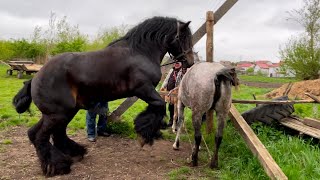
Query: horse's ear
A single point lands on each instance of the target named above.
(184, 26)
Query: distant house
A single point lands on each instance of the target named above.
(244, 66)
(267, 68)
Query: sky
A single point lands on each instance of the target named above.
(251, 29)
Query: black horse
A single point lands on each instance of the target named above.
(129, 66)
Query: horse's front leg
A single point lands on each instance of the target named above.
(149, 122)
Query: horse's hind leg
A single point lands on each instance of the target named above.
(52, 160)
(180, 112)
(32, 132)
(196, 121)
(65, 144)
(221, 117)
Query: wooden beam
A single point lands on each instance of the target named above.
(257, 148)
(217, 16)
(271, 102)
(115, 115)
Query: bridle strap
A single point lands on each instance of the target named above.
(184, 52)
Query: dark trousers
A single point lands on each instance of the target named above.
(171, 111)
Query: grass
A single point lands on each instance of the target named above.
(266, 79)
(296, 156)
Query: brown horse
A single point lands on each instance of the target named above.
(129, 66)
(205, 86)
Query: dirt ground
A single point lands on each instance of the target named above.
(298, 89)
(109, 158)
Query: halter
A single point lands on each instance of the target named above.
(184, 52)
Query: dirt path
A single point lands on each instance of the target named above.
(108, 158)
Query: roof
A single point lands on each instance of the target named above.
(263, 65)
(245, 65)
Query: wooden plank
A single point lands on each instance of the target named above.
(311, 122)
(115, 115)
(257, 148)
(217, 16)
(299, 126)
(271, 102)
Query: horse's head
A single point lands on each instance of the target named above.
(180, 45)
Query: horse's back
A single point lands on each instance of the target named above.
(197, 87)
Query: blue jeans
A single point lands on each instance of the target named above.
(100, 109)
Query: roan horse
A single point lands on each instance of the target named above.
(205, 86)
(129, 66)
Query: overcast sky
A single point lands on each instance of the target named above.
(251, 30)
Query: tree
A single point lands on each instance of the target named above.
(250, 71)
(301, 54)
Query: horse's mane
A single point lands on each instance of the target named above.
(151, 31)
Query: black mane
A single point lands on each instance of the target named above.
(153, 31)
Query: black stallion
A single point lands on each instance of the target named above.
(129, 66)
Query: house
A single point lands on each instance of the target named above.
(267, 68)
(244, 66)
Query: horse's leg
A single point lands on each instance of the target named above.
(32, 132)
(196, 121)
(64, 143)
(52, 160)
(175, 118)
(149, 122)
(179, 124)
(221, 117)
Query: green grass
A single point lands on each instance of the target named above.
(297, 157)
(266, 79)
(6, 141)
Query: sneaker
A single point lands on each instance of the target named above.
(91, 139)
(105, 134)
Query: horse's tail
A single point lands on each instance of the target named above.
(23, 99)
(225, 74)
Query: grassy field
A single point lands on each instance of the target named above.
(266, 79)
(296, 156)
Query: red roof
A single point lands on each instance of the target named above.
(263, 65)
(244, 65)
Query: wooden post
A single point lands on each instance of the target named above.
(209, 58)
(257, 148)
(209, 30)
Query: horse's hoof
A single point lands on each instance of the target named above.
(141, 140)
(175, 146)
(60, 168)
(214, 165)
